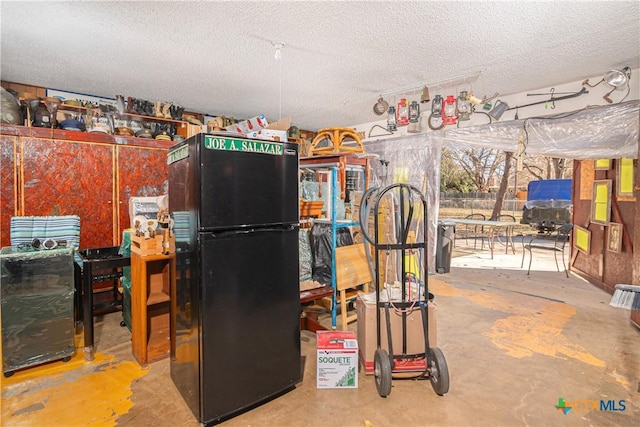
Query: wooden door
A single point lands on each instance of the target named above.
(8, 186)
(62, 177)
(142, 172)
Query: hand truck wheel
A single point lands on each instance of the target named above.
(382, 372)
(438, 371)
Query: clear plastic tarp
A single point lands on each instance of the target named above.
(37, 288)
(306, 257)
(601, 132)
(412, 160)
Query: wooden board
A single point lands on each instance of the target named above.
(352, 268)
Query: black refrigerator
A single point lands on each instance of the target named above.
(235, 304)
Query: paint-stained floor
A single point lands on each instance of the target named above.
(514, 344)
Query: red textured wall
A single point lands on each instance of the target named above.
(69, 172)
(7, 186)
(71, 178)
(142, 172)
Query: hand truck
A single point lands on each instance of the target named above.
(401, 200)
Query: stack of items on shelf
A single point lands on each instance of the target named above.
(153, 236)
(259, 128)
(84, 113)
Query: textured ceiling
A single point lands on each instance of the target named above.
(217, 57)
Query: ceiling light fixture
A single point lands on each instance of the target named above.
(617, 79)
(278, 55)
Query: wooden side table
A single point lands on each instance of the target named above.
(152, 280)
(309, 316)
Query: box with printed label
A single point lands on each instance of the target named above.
(276, 131)
(245, 127)
(337, 362)
(269, 135)
(367, 341)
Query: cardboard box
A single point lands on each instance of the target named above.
(276, 131)
(269, 135)
(248, 126)
(367, 342)
(337, 361)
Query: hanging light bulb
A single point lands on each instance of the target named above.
(278, 55)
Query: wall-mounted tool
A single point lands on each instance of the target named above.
(501, 106)
(380, 107)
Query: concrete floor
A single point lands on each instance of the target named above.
(514, 345)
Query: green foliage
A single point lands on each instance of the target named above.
(453, 178)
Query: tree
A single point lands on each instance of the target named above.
(543, 167)
(504, 183)
(453, 177)
(481, 164)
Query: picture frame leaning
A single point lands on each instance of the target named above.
(601, 202)
(614, 237)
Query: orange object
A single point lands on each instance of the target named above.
(337, 137)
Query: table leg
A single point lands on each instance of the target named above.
(490, 242)
(309, 321)
(510, 241)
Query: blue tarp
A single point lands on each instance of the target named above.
(549, 189)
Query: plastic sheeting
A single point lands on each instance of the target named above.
(125, 251)
(321, 244)
(602, 132)
(306, 258)
(37, 290)
(609, 131)
(311, 190)
(414, 160)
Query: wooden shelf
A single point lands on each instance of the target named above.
(79, 108)
(152, 281)
(157, 298)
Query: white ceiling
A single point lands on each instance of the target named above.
(217, 57)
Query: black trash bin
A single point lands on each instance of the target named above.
(444, 247)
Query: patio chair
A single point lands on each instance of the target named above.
(507, 237)
(554, 241)
(465, 231)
